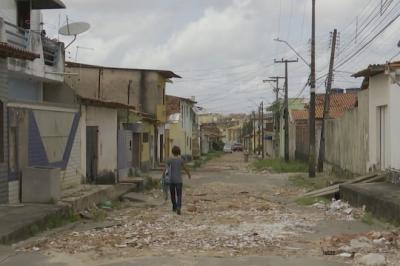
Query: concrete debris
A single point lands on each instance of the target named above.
(366, 247)
(357, 244)
(339, 209)
(372, 259)
(217, 218)
(346, 255)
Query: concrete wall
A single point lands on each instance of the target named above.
(8, 10)
(146, 89)
(59, 93)
(347, 138)
(147, 149)
(106, 121)
(394, 126)
(46, 136)
(3, 135)
(379, 95)
(384, 91)
(25, 90)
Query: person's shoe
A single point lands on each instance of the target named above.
(173, 209)
(178, 211)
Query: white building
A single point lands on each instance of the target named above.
(382, 83)
(41, 133)
(181, 118)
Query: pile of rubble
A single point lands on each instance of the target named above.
(340, 210)
(373, 248)
(218, 218)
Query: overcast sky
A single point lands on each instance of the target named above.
(223, 49)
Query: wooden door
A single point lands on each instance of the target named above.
(92, 136)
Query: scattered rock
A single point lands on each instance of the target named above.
(348, 211)
(192, 209)
(372, 259)
(379, 242)
(346, 255)
(356, 244)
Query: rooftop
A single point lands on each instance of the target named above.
(339, 103)
(165, 73)
(376, 69)
(173, 104)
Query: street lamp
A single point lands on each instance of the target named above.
(294, 50)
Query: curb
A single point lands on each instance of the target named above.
(65, 212)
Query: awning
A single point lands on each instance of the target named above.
(45, 4)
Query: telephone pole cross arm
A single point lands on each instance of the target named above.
(286, 112)
(276, 112)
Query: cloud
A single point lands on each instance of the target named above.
(223, 49)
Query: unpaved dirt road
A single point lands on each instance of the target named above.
(230, 216)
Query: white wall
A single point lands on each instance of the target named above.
(394, 124)
(106, 120)
(8, 10)
(379, 95)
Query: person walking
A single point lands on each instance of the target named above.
(175, 165)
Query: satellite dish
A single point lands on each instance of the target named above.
(73, 29)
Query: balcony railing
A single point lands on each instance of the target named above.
(29, 40)
(50, 51)
(17, 36)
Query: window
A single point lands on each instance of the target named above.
(145, 137)
(24, 14)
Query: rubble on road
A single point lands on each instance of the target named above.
(372, 260)
(367, 248)
(340, 210)
(217, 217)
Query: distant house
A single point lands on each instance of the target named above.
(209, 136)
(181, 122)
(293, 105)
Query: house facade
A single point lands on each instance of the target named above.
(181, 124)
(135, 113)
(381, 83)
(40, 133)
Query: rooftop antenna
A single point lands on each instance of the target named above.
(73, 29)
(81, 47)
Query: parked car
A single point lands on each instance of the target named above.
(237, 147)
(227, 148)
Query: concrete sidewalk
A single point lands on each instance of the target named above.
(381, 199)
(25, 220)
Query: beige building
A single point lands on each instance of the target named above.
(123, 117)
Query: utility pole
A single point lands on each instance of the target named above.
(326, 104)
(262, 128)
(254, 132)
(277, 112)
(259, 130)
(311, 162)
(286, 111)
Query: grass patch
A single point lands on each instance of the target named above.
(204, 159)
(308, 183)
(307, 201)
(367, 218)
(280, 166)
(150, 183)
